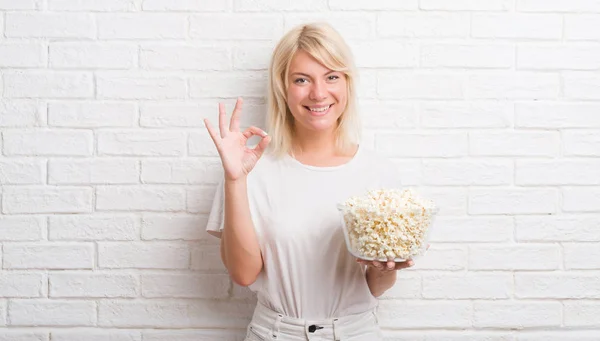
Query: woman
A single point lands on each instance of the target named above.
(276, 214)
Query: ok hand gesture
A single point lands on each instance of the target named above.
(238, 160)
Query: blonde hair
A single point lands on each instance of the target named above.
(328, 47)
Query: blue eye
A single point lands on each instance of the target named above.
(300, 80)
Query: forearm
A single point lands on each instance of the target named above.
(241, 251)
(379, 281)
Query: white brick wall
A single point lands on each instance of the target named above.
(491, 108)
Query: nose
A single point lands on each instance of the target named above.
(318, 92)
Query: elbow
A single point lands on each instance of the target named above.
(243, 280)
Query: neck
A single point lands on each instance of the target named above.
(314, 143)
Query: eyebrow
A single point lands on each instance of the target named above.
(304, 74)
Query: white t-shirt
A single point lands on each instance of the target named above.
(308, 272)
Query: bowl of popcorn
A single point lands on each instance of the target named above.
(387, 224)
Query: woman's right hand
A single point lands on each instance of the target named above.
(238, 160)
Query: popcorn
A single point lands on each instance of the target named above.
(387, 223)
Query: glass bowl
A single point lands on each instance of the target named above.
(354, 250)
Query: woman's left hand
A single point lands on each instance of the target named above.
(387, 266)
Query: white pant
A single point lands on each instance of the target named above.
(267, 324)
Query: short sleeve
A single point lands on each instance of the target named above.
(216, 218)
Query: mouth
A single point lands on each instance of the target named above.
(318, 110)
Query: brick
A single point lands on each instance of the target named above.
(514, 143)
(245, 293)
(185, 5)
(82, 55)
(93, 284)
(492, 56)
(471, 114)
(423, 25)
(385, 54)
(96, 335)
(23, 335)
(93, 171)
(582, 26)
(422, 145)
(19, 5)
(582, 256)
(200, 198)
(471, 229)
(467, 286)
(558, 57)
(572, 172)
(184, 57)
(355, 25)
(211, 286)
(46, 200)
(448, 335)
(517, 315)
(92, 6)
(175, 314)
(513, 86)
(410, 171)
(115, 255)
(467, 173)
(465, 5)
(182, 172)
(450, 200)
(252, 56)
(156, 26)
(173, 227)
(136, 198)
(581, 85)
(519, 257)
(424, 314)
(582, 143)
(558, 6)
(557, 228)
(51, 313)
(133, 85)
(279, 5)
(16, 55)
(19, 284)
(142, 143)
(554, 115)
(367, 88)
(49, 256)
(571, 335)
(408, 285)
(26, 228)
(194, 335)
(93, 227)
(408, 85)
(581, 313)
(207, 257)
(91, 114)
(513, 201)
(229, 84)
(46, 84)
(581, 199)
(22, 171)
(48, 142)
(388, 114)
(557, 285)
(357, 5)
(18, 113)
(442, 258)
(49, 25)
(236, 26)
(517, 26)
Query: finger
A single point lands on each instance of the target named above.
(234, 125)
(378, 265)
(212, 132)
(252, 130)
(404, 265)
(391, 265)
(222, 120)
(262, 145)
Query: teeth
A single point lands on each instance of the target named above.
(320, 109)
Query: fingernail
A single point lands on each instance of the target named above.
(410, 263)
(265, 133)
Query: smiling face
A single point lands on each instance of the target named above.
(316, 95)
